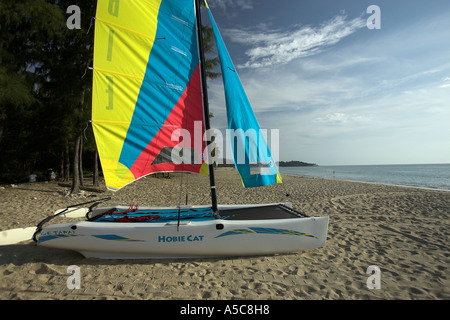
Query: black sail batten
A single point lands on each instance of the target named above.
(205, 101)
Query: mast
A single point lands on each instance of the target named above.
(212, 182)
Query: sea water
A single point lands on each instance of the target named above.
(427, 176)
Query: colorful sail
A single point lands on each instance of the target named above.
(147, 89)
(248, 145)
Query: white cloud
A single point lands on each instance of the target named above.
(341, 118)
(446, 83)
(272, 47)
(236, 4)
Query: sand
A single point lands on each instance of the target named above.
(403, 231)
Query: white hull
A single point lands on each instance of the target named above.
(211, 238)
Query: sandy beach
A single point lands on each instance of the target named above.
(403, 231)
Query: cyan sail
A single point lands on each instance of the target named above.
(249, 147)
(146, 86)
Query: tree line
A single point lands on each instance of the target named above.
(46, 90)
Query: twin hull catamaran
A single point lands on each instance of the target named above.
(149, 82)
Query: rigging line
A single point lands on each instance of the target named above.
(285, 191)
(84, 131)
(91, 51)
(185, 125)
(90, 25)
(85, 71)
(185, 120)
(179, 197)
(187, 189)
(205, 100)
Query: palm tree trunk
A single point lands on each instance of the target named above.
(80, 161)
(76, 176)
(66, 162)
(95, 177)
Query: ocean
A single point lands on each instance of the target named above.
(427, 176)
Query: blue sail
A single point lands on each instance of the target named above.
(248, 145)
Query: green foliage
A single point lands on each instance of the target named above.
(212, 60)
(44, 98)
(296, 163)
(45, 83)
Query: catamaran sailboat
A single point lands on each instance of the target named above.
(148, 84)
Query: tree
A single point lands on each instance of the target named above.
(45, 87)
(69, 86)
(212, 59)
(27, 30)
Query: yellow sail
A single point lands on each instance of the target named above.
(146, 85)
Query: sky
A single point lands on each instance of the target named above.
(339, 92)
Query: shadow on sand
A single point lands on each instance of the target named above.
(29, 252)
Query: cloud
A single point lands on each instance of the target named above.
(340, 118)
(236, 4)
(446, 83)
(272, 47)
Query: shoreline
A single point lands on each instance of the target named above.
(376, 183)
(403, 231)
(422, 176)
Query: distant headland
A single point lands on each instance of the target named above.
(294, 163)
